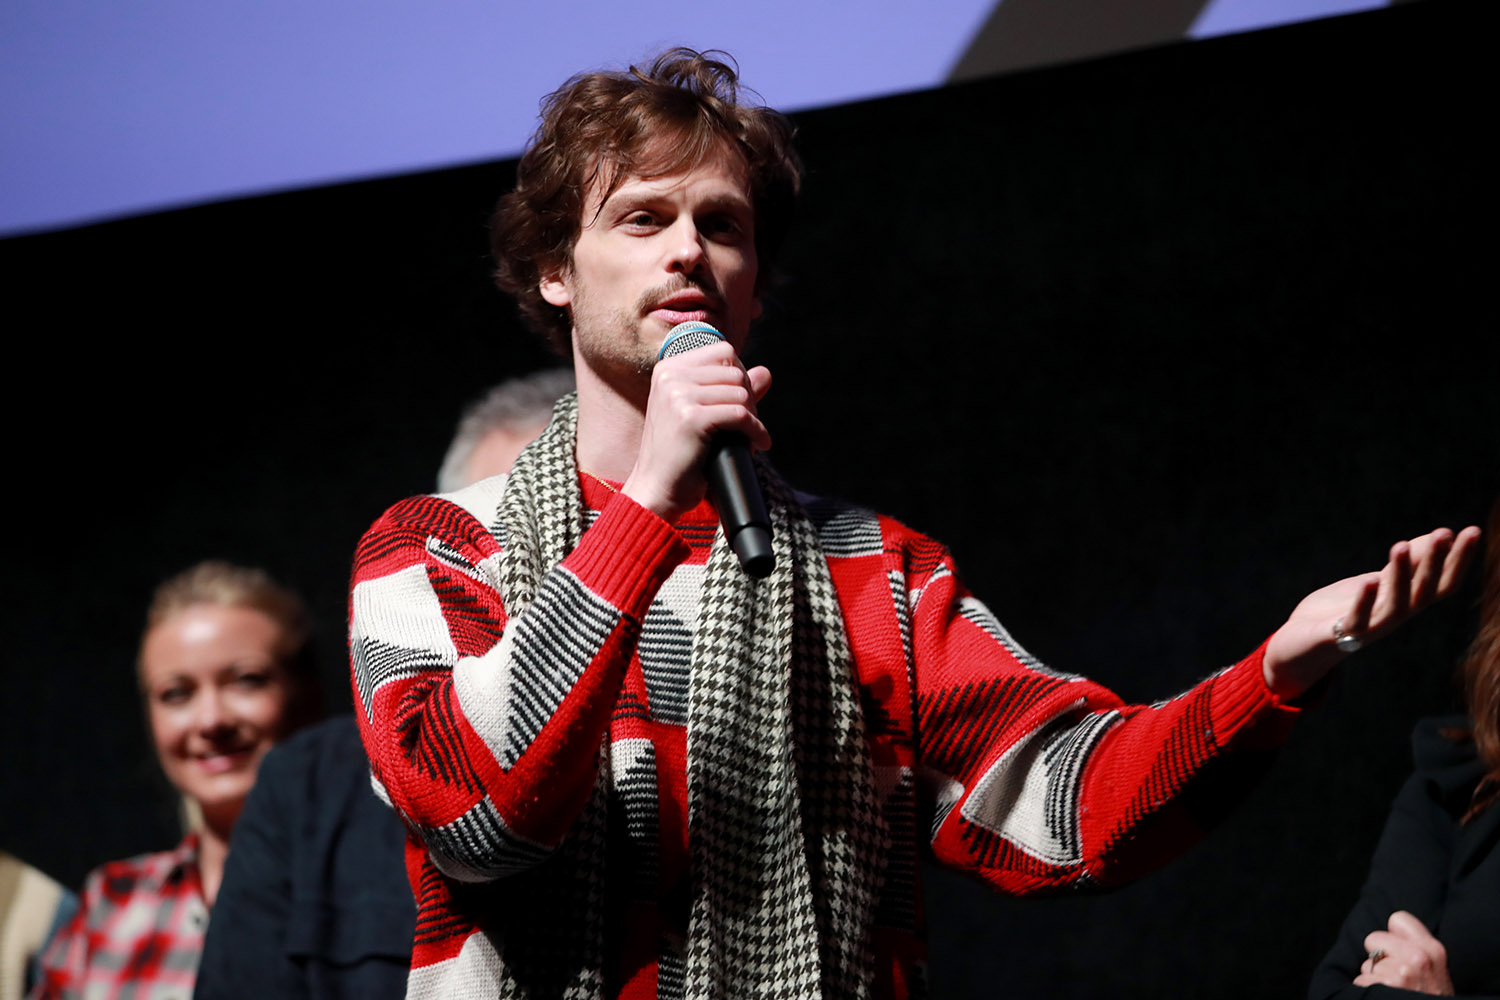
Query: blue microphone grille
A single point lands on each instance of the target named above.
(686, 336)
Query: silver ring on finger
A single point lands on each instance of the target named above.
(1347, 644)
(1375, 956)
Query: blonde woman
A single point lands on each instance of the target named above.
(224, 674)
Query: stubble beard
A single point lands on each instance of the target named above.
(611, 344)
(608, 343)
(611, 341)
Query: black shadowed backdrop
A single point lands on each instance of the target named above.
(1155, 343)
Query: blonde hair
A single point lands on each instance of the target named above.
(217, 582)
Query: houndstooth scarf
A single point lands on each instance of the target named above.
(784, 828)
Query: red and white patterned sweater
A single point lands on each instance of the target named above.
(485, 737)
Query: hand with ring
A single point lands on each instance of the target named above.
(1337, 619)
(1407, 956)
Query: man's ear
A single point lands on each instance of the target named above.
(555, 289)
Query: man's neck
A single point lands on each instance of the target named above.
(609, 421)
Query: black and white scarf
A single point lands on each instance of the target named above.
(784, 826)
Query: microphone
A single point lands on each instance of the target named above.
(731, 476)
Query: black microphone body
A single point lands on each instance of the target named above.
(732, 482)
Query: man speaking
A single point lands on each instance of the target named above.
(628, 768)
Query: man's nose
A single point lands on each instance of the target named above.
(686, 249)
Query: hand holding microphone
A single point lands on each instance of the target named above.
(713, 402)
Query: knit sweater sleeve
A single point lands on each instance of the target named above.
(483, 729)
(1042, 779)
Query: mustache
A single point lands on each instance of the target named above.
(653, 297)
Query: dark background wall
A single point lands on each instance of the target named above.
(1157, 344)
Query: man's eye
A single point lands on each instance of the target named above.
(722, 227)
(253, 680)
(641, 220)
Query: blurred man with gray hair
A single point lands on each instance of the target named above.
(495, 427)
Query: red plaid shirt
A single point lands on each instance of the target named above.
(138, 932)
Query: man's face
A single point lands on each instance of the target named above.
(658, 252)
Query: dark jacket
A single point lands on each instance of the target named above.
(1446, 875)
(315, 900)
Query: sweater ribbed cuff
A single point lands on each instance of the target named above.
(1241, 698)
(627, 554)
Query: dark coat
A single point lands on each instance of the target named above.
(1446, 875)
(315, 900)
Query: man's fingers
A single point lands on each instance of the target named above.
(731, 393)
(1457, 561)
(1395, 588)
(1357, 621)
(701, 374)
(760, 381)
(715, 416)
(731, 406)
(1429, 553)
(1418, 572)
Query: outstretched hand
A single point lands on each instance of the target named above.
(1365, 607)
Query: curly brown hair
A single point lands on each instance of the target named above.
(601, 128)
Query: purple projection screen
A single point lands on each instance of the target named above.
(114, 109)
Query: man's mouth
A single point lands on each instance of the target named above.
(685, 306)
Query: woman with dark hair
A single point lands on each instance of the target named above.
(224, 674)
(1428, 919)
